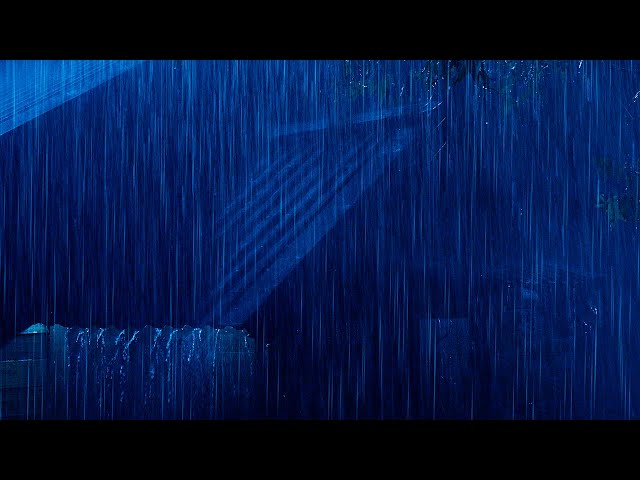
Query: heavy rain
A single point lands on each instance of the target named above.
(362, 239)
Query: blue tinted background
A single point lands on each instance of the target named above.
(478, 278)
